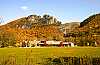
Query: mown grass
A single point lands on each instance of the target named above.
(25, 56)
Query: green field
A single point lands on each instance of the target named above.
(20, 55)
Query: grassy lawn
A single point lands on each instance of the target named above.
(21, 54)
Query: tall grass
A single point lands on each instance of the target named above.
(8, 60)
(85, 60)
(28, 60)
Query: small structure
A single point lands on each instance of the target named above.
(53, 43)
(68, 44)
(43, 43)
(56, 43)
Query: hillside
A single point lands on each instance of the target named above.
(70, 27)
(91, 27)
(30, 28)
(92, 24)
(47, 27)
(92, 21)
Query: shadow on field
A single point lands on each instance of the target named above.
(8, 60)
(85, 60)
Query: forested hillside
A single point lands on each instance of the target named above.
(91, 28)
(46, 27)
(30, 28)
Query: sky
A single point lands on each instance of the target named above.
(64, 10)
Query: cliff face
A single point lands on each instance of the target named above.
(33, 20)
